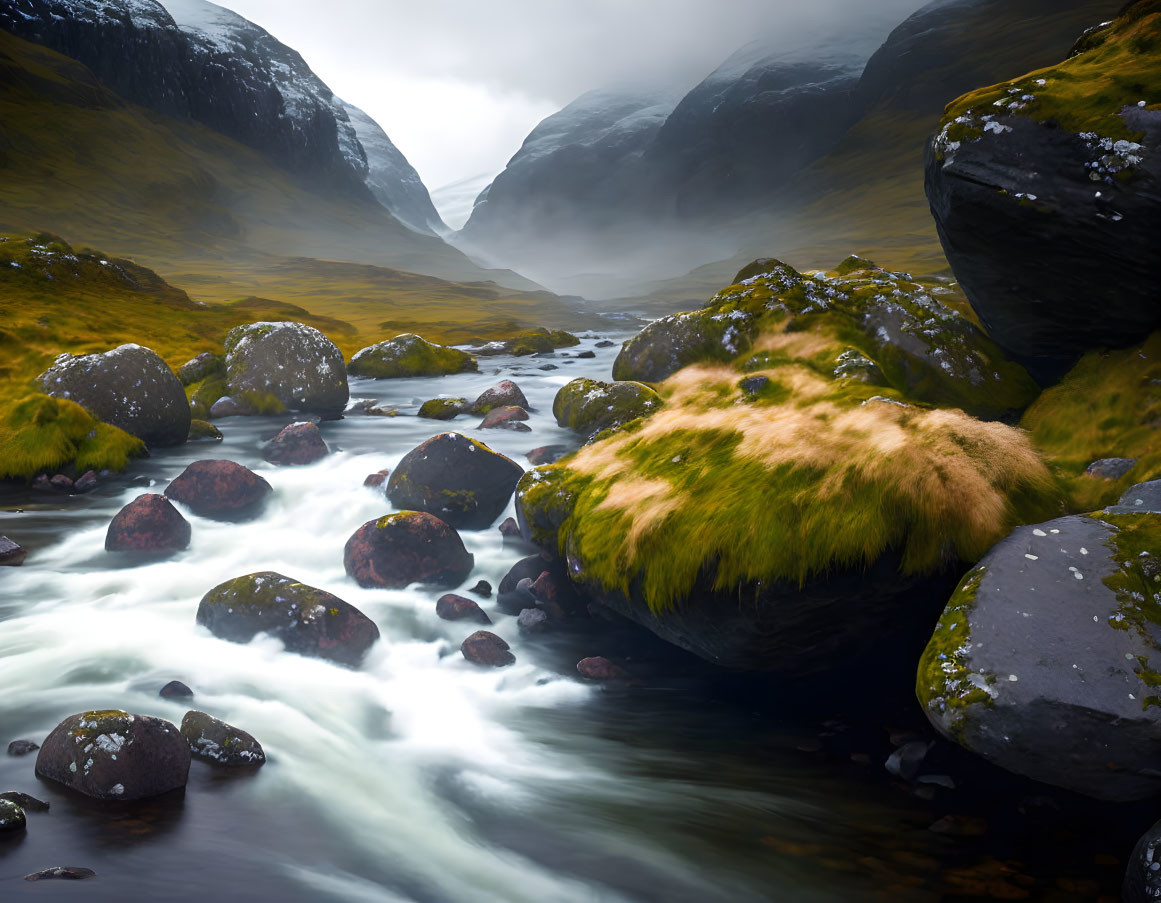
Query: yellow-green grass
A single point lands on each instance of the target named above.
(1120, 67)
(1108, 406)
(40, 434)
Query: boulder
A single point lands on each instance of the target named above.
(24, 801)
(129, 387)
(86, 482)
(528, 568)
(508, 417)
(221, 490)
(61, 483)
(308, 620)
(22, 747)
(175, 689)
(590, 406)
(409, 355)
(11, 818)
(409, 547)
(510, 530)
(504, 394)
(670, 343)
(293, 364)
(298, 443)
(532, 620)
(1110, 468)
(149, 523)
(600, 669)
(204, 431)
(482, 588)
(377, 480)
(530, 341)
(11, 553)
(112, 755)
(1047, 195)
(460, 480)
(546, 454)
(456, 608)
(200, 367)
(487, 649)
(227, 406)
(1047, 659)
(443, 408)
(220, 743)
(1140, 499)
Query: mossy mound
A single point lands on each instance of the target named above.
(867, 324)
(203, 431)
(531, 341)
(590, 406)
(409, 355)
(44, 434)
(443, 408)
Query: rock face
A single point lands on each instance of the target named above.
(296, 365)
(504, 394)
(409, 355)
(410, 547)
(1047, 658)
(129, 387)
(1046, 195)
(309, 621)
(298, 443)
(487, 649)
(112, 755)
(589, 406)
(149, 523)
(220, 743)
(459, 480)
(222, 490)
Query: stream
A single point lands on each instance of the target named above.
(419, 777)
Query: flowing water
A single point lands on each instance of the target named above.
(416, 777)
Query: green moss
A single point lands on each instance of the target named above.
(590, 406)
(443, 408)
(201, 430)
(946, 684)
(204, 393)
(545, 496)
(409, 356)
(538, 341)
(1136, 548)
(263, 403)
(44, 434)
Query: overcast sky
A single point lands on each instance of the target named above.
(458, 84)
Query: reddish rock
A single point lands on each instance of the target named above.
(86, 482)
(11, 553)
(456, 608)
(531, 567)
(598, 668)
(61, 483)
(297, 444)
(487, 649)
(221, 490)
(546, 454)
(504, 394)
(555, 594)
(410, 547)
(376, 480)
(149, 523)
(507, 417)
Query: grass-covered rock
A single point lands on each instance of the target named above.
(285, 366)
(862, 324)
(204, 431)
(199, 368)
(589, 406)
(409, 355)
(530, 341)
(443, 408)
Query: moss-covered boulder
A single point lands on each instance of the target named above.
(410, 547)
(590, 406)
(1046, 191)
(459, 480)
(308, 620)
(1047, 659)
(150, 525)
(285, 366)
(443, 408)
(409, 355)
(12, 820)
(130, 387)
(502, 395)
(296, 444)
(40, 434)
(530, 341)
(221, 490)
(221, 743)
(204, 431)
(112, 755)
(200, 368)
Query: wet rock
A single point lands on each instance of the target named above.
(129, 387)
(226, 406)
(12, 553)
(456, 608)
(600, 669)
(61, 873)
(504, 394)
(204, 431)
(86, 482)
(589, 406)
(605, 343)
(149, 523)
(539, 341)
(409, 355)
(200, 367)
(61, 483)
(517, 599)
(298, 444)
(487, 649)
(175, 689)
(293, 364)
(526, 568)
(308, 620)
(11, 818)
(532, 620)
(410, 547)
(377, 480)
(460, 480)
(112, 755)
(24, 801)
(367, 408)
(555, 594)
(221, 490)
(548, 367)
(22, 747)
(509, 529)
(546, 454)
(1110, 468)
(1140, 499)
(1046, 659)
(906, 761)
(586, 355)
(443, 408)
(220, 743)
(1142, 883)
(482, 588)
(508, 417)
